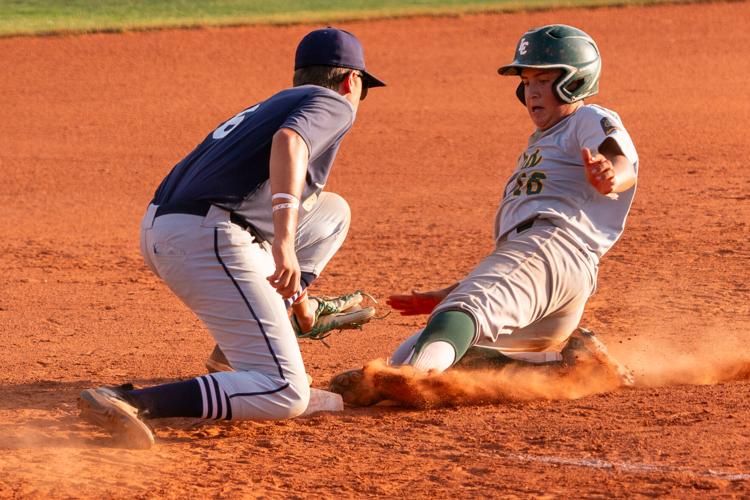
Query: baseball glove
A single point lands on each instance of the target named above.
(337, 313)
(333, 313)
(419, 302)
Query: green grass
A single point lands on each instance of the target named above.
(29, 17)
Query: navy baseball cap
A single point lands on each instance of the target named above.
(333, 47)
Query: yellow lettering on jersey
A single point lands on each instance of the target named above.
(530, 160)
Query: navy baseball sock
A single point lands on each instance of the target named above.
(305, 281)
(179, 399)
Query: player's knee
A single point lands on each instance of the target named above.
(341, 214)
(297, 397)
(288, 399)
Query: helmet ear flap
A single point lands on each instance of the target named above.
(520, 94)
(574, 85)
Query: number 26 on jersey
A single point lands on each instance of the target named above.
(531, 184)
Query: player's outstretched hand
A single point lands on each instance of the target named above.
(418, 302)
(600, 172)
(286, 278)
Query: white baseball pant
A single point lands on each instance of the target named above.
(527, 296)
(219, 271)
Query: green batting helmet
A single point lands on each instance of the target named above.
(564, 47)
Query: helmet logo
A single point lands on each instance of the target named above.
(522, 46)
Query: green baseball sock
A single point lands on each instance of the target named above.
(444, 341)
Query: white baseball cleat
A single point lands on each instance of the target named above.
(351, 319)
(584, 347)
(334, 305)
(108, 408)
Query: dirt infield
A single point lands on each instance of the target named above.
(90, 124)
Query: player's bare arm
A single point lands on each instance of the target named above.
(288, 166)
(609, 171)
(419, 302)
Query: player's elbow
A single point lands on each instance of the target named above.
(625, 175)
(288, 137)
(290, 143)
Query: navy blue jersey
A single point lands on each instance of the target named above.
(233, 160)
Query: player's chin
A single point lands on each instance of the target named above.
(538, 116)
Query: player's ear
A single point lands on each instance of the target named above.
(347, 84)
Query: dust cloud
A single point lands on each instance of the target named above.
(462, 386)
(521, 382)
(661, 362)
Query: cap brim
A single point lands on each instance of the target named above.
(509, 70)
(515, 69)
(371, 81)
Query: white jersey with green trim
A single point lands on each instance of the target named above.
(550, 183)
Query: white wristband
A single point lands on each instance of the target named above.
(284, 196)
(284, 206)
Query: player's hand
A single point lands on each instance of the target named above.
(600, 172)
(418, 302)
(286, 279)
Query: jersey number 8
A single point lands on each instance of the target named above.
(225, 128)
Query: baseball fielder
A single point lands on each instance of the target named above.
(562, 209)
(238, 230)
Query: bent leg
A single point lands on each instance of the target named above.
(529, 294)
(321, 232)
(548, 333)
(217, 270)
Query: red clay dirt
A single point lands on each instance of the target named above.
(90, 124)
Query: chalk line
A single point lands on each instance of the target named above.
(596, 463)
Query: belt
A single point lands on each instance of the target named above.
(524, 225)
(200, 208)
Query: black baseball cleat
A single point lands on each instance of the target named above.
(584, 347)
(217, 361)
(109, 408)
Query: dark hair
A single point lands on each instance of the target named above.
(323, 76)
